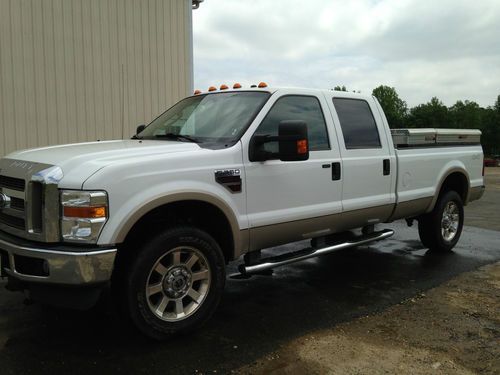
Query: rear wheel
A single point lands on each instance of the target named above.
(440, 230)
(175, 282)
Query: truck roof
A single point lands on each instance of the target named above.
(298, 90)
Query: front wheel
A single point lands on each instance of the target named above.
(175, 282)
(440, 230)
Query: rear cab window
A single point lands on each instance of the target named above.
(358, 125)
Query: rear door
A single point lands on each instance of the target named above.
(289, 201)
(368, 166)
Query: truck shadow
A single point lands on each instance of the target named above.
(254, 318)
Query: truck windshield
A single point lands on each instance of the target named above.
(219, 118)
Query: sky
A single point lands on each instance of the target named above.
(424, 48)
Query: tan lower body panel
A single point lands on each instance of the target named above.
(277, 234)
(241, 245)
(476, 193)
(411, 208)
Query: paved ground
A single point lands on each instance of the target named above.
(484, 213)
(262, 322)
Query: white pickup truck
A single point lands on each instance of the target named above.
(221, 175)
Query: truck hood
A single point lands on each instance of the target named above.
(80, 160)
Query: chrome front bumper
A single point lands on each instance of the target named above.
(78, 267)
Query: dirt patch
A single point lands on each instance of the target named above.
(452, 329)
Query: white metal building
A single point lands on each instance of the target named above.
(82, 70)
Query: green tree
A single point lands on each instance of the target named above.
(496, 107)
(466, 115)
(395, 109)
(433, 114)
(490, 127)
(490, 139)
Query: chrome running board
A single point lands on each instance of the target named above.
(297, 256)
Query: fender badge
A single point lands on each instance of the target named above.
(230, 178)
(227, 172)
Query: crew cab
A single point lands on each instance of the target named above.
(216, 178)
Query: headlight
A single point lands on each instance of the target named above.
(84, 213)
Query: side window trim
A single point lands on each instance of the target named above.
(303, 96)
(342, 130)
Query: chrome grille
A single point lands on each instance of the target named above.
(13, 221)
(17, 204)
(31, 193)
(13, 215)
(12, 183)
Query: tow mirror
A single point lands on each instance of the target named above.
(140, 128)
(292, 139)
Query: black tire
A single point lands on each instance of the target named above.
(430, 226)
(144, 267)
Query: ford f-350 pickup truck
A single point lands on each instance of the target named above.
(220, 176)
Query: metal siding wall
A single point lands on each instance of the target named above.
(81, 70)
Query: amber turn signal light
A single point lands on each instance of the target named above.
(302, 146)
(85, 212)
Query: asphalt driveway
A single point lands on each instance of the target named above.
(257, 316)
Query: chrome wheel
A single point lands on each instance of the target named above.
(178, 283)
(450, 221)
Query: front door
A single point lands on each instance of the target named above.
(289, 201)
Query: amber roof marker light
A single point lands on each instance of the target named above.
(262, 85)
(223, 87)
(197, 92)
(236, 86)
(212, 88)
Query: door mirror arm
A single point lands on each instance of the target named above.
(257, 152)
(140, 128)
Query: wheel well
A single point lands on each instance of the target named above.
(199, 214)
(456, 182)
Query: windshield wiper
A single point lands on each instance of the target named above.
(178, 136)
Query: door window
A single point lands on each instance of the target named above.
(295, 107)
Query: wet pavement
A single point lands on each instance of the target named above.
(256, 316)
